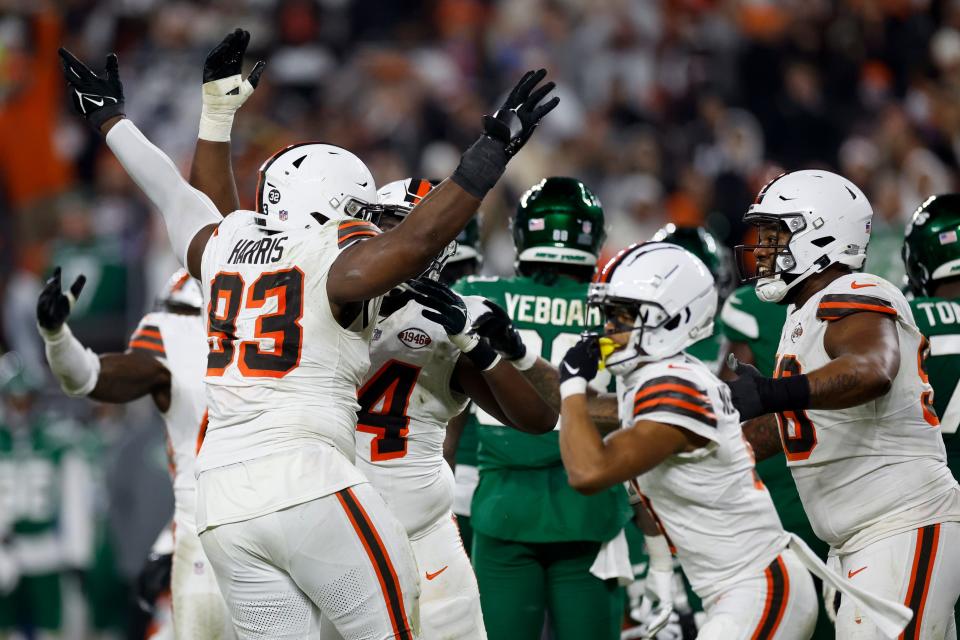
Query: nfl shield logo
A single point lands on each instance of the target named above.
(587, 226)
(284, 215)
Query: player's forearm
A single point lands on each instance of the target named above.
(212, 174)
(185, 210)
(581, 447)
(123, 379)
(519, 400)
(602, 408)
(763, 435)
(848, 381)
(74, 366)
(451, 440)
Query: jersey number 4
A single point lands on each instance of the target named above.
(281, 326)
(383, 409)
(797, 432)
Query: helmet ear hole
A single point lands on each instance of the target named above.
(673, 322)
(822, 242)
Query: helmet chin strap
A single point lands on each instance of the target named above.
(775, 289)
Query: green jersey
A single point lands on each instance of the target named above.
(939, 320)
(748, 320)
(523, 493)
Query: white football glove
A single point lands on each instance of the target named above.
(655, 608)
(224, 89)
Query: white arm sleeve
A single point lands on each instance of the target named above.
(75, 366)
(185, 210)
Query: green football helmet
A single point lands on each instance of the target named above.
(931, 245)
(704, 245)
(468, 243)
(559, 220)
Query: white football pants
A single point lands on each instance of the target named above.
(778, 603)
(199, 610)
(920, 568)
(343, 556)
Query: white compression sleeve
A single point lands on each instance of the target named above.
(76, 367)
(185, 210)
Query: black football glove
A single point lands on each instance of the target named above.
(753, 394)
(226, 59)
(582, 360)
(504, 133)
(154, 580)
(53, 306)
(94, 97)
(450, 311)
(514, 122)
(495, 325)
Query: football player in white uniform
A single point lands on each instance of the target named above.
(851, 405)
(293, 290)
(681, 446)
(165, 359)
(422, 374)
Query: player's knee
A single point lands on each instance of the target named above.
(454, 616)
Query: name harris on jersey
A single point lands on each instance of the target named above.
(267, 249)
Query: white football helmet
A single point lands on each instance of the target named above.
(302, 182)
(672, 294)
(398, 198)
(828, 218)
(182, 290)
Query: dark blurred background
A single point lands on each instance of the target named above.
(672, 111)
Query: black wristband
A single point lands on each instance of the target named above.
(481, 166)
(482, 355)
(98, 117)
(791, 393)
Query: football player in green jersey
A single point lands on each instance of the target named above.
(704, 245)
(931, 253)
(46, 505)
(535, 538)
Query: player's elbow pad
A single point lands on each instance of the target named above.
(76, 367)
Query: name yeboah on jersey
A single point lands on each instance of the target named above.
(878, 468)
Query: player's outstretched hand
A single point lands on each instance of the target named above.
(514, 122)
(95, 97)
(495, 325)
(582, 360)
(224, 89)
(53, 305)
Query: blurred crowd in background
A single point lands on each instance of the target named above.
(671, 111)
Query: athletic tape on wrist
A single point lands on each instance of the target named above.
(480, 167)
(573, 387)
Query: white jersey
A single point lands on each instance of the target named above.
(710, 503)
(879, 468)
(179, 342)
(282, 374)
(405, 404)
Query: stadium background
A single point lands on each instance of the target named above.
(671, 111)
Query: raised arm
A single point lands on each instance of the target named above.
(115, 377)
(224, 92)
(189, 215)
(358, 274)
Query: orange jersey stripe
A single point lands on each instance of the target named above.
(675, 402)
(368, 234)
(857, 305)
(646, 391)
(152, 333)
(355, 223)
(140, 344)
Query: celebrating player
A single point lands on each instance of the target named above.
(166, 360)
(851, 403)
(293, 291)
(682, 446)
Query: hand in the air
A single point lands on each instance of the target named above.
(96, 98)
(495, 325)
(446, 309)
(582, 360)
(53, 305)
(745, 389)
(514, 122)
(224, 89)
